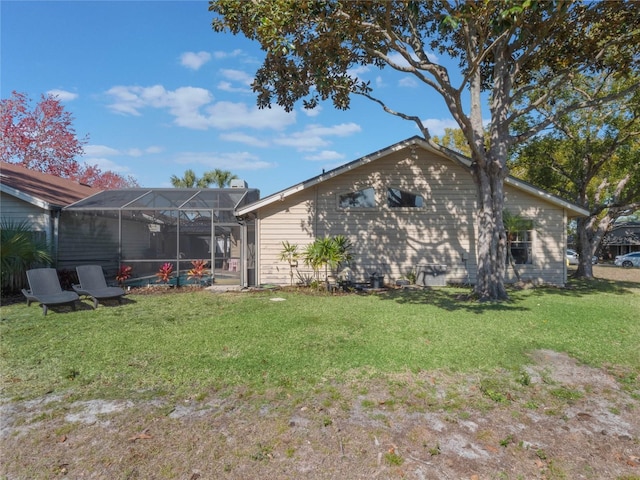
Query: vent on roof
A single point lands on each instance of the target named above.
(237, 183)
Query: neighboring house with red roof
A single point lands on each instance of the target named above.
(28, 195)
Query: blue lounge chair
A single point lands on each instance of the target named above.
(44, 287)
(94, 285)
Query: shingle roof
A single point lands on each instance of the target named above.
(37, 187)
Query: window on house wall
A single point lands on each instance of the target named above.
(364, 198)
(522, 244)
(397, 198)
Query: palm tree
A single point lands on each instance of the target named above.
(221, 178)
(21, 250)
(189, 180)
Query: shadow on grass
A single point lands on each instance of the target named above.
(580, 287)
(103, 302)
(451, 299)
(456, 299)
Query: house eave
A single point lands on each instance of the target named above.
(323, 177)
(571, 209)
(29, 198)
(415, 141)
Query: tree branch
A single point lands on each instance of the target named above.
(423, 129)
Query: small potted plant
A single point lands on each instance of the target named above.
(165, 273)
(124, 274)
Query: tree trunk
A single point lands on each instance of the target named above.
(589, 234)
(585, 248)
(492, 238)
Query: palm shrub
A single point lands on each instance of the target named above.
(21, 250)
(343, 246)
(328, 252)
(290, 254)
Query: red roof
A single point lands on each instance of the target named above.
(56, 191)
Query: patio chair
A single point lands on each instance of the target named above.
(94, 285)
(44, 287)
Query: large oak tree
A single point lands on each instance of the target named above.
(503, 48)
(589, 156)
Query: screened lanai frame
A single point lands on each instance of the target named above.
(146, 228)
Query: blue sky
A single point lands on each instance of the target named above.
(157, 92)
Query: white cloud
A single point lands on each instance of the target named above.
(398, 59)
(302, 143)
(194, 60)
(358, 70)
(107, 165)
(312, 112)
(236, 81)
(340, 130)
(192, 108)
(63, 95)
(408, 82)
(227, 161)
(313, 136)
(219, 55)
(227, 115)
(228, 87)
(436, 126)
(183, 101)
(104, 151)
(325, 155)
(139, 152)
(237, 76)
(243, 138)
(100, 151)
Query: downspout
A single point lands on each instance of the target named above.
(119, 238)
(564, 247)
(243, 253)
(315, 212)
(55, 231)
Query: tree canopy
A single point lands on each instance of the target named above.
(503, 49)
(42, 138)
(590, 156)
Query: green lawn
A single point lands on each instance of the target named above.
(181, 343)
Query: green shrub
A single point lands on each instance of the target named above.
(21, 250)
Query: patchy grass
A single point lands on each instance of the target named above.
(407, 384)
(182, 343)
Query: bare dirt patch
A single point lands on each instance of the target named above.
(555, 419)
(611, 272)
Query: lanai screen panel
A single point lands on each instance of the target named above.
(148, 227)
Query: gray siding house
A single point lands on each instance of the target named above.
(410, 207)
(27, 195)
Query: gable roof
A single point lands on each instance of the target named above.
(416, 141)
(43, 190)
